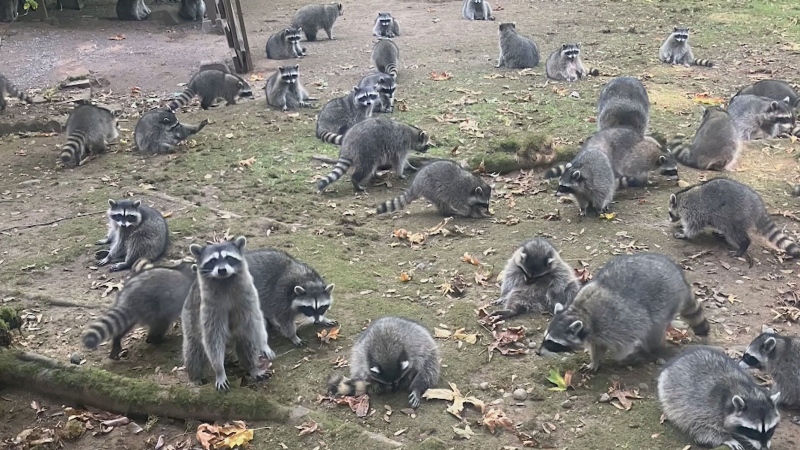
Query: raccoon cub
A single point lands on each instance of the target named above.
(590, 180)
(9, 11)
(454, 191)
(476, 10)
(385, 55)
(565, 64)
(535, 279)
(759, 117)
(210, 85)
(340, 114)
(516, 51)
(192, 10)
(152, 296)
(779, 357)
(624, 102)
(313, 17)
(158, 131)
(89, 130)
(715, 146)
(285, 91)
(775, 90)
(7, 88)
(391, 354)
(132, 10)
(289, 289)
(625, 310)
(705, 394)
(385, 85)
(135, 231)
(221, 306)
(730, 208)
(386, 26)
(372, 143)
(676, 50)
(285, 44)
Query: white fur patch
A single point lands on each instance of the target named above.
(375, 370)
(404, 365)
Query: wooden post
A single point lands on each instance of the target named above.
(233, 24)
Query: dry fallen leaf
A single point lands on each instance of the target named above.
(468, 338)
(326, 336)
(621, 397)
(705, 99)
(608, 216)
(405, 277)
(435, 76)
(464, 433)
(247, 162)
(118, 37)
(441, 334)
(455, 396)
(506, 337)
(496, 418)
(467, 258)
(307, 428)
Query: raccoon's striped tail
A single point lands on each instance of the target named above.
(75, 150)
(114, 323)
(339, 384)
(555, 172)
(15, 92)
(703, 62)
(182, 100)
(593, 71)
(692, 313)
(796, 190)
(391, 69)
(681, 150)
(775, 236)
(338, 170)
(331, 138)
(628, 182)
(796, 129)
(399, 202)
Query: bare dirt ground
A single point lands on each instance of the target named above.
(338, 233)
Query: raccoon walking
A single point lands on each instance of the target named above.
(385, 85)
(476, 10)
(210, 85)
(730, 208)
(289, 289)
(89, 130)
(760, 118)
(159, 132)
(779, 357)
(391, 354)
(535, 279)
(716, 145)
(565, 64)
(340, 114)
(589, 179)
(775, 90)
(676, 50)
(312, 18)
(151, 296)
(516, 51)
(454, 191)
(285, 91)
(705, 394)
(625, 310)
(385, 56)
(222, 306)
(192, 10)
(285, 44)
(386, 26)
(624, 102)
(135, 231)
(7, 88)
(373, 143)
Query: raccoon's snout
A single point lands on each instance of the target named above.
(748, 361)
(673, 217)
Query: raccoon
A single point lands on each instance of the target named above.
(760, 118)
(89, 130)
(340, 114)
(372, 143)
(223, 305)
(535, 279)
(624, 102)
(285, 91)
(192, 10)
(779, 357)
(289, 289)
(454, 191)
(135, 231)
(676, 50)
(716, 145)
(132, 10)
(313, 17)
(215, 65)
(625, 309)
(7, 88)
(633, 156)
(158, 131)
(386, 26)
(565, 64)
(210, 85)
(589, 178)
(385, 55)
(285, 44)
(476, 10)
(151, 296)
(705, 394)
(773, 89)
(730, 208)
(516, 51)
(385, 85)
(9, 12)
(391, 354)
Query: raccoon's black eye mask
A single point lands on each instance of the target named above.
(555, 347)
(751, 361)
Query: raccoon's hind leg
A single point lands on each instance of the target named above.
(741, 242)
(157, 333)
(206, 102)
(116, 344)
(329, 32)
(360, 177)
(194, 356)
(311, 33)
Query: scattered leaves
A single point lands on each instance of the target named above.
(455, 396)
(463, 433)
(247, 162)
(704, 98)
(506, 338)
(496, 418)
(326, 336)
(358, 404)
(307, 428)
(212, 437)
(443, 76)
(405, 277)
(562, 383)
(467, 258)
(413, 238)
(118, 37)
(621, 398)
(455, 287)
(608, 216)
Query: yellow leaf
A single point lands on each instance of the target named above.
(405, 277)
(440, 333)
(206, 433)
(237, 439)
(247, 162)
(467, 258)
(608, 216)
(326, 336)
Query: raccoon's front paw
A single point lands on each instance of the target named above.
(118, 267)
(679, 235)
(286, 108)
(103, 241)
(261, 375)
(268, 353)
(413, 399)
(591, 367)
(298, 342)
(733, 444)
(104, 261)
(222, 384)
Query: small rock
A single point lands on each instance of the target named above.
(75, 358)
(660, 361)
(679, 324)
(605, 398)
(28, 182)
(484, 385)
(634, 425)
(566, 404)
(574, 94)
(519, 394)
(532, 344)
(644, 386)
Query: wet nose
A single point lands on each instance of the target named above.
(222, 271)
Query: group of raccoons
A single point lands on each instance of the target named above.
(225, 293)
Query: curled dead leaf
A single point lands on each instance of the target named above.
(326, 336)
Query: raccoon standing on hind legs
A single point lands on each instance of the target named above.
(89, 131)
(676, 50)
(285, 44)
(6, 87)
(476, 10)
(565, 64)
(135, 231)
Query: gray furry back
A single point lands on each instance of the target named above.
(312, 18)
(760, 117)
(341, 114)
(192, 10)
(624, 102)
(516, 51)
(159, 131)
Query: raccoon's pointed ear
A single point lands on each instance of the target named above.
(776, 397)
(558, 308)
(375, 370)
(576, 327)
(287, 30)
(578, 45)
(738, 403)
(329, 288)
(297, 67)
(478, 191)
(522, 256)
(298, 290)
(673, 200)
(769, 345)
(194, 268)
(137, 203)
(550, 261)
(768, 330)
(195, 250)
(404, 365)
(112, 203)
(674, 29)
(241, 84)
(240, 242)
(787, 100)
(773, 106)
(281, 68)
(576, 175)
(662, 159)
(563, 46)
(355, 89)
(299, 30)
